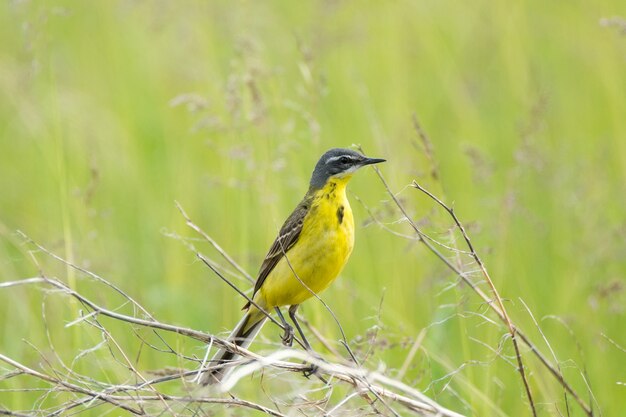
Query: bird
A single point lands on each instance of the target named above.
(311, 249)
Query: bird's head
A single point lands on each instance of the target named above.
(339, 163)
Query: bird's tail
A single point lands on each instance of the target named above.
(243, 334)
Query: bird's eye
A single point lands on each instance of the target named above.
(344, 160)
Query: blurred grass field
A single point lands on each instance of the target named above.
(111, 111)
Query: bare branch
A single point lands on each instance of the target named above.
(494, 290)
(496, 307)
(213, 243)
(360, 379)
(84, 271)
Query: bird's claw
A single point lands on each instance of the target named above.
(288, 336)
(310, 370)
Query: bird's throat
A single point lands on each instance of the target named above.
(335, 188)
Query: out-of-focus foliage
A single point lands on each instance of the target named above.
(110, 111)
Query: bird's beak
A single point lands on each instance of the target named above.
(370, 161)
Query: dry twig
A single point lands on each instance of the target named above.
(88, 391)
(498, 306)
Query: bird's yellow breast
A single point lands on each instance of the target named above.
(319, 255)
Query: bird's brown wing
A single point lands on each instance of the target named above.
(287, 237)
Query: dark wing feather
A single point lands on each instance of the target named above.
(287, 237)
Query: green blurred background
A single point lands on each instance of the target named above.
(111, 111)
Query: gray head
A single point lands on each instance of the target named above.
(338, 163)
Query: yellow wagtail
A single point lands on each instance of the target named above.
(310, 251)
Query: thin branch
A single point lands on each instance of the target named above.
(409, 237)
(551, 368)
(85, 271)
(213, 243)
(613, 342)
(493, 288)
(234, 287)
(71, 387)
(545, 339)
(120, 400)
(25, 281)
(359, 378)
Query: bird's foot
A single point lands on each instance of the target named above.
(288, 336)
(310, 370)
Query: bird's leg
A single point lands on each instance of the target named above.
(292, 313)
(288, 335)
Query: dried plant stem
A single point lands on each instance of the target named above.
(363, 380)
(121, 400)
(502, 313)
(213, 243)
(66, 385)
(97, 277)
(547, 342)
(496, 307)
